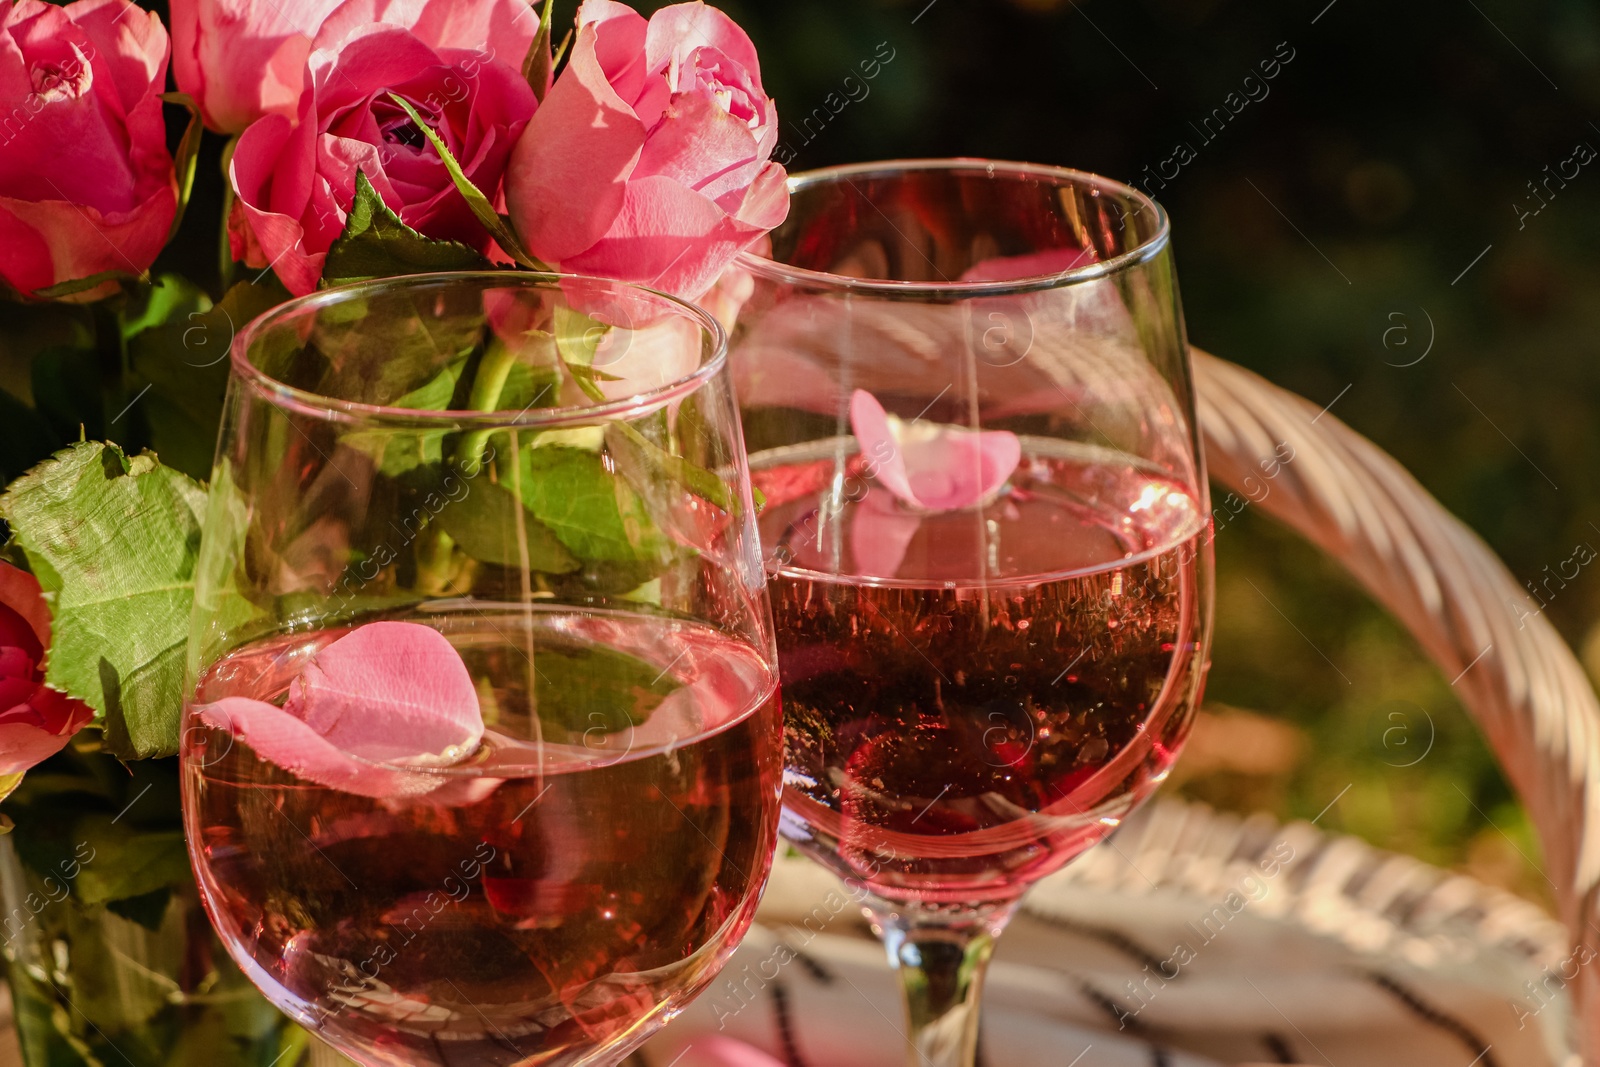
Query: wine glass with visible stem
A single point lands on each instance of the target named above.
(967, 399)
(482, 763)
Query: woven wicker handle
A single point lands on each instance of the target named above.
(1512, 670)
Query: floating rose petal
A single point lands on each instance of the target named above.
(392, 693)
(928, 465)
(1032, 265)
(463, 791)
(880, 533)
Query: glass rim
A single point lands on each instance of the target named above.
(334, 409)
(771, 269)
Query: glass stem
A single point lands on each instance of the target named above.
(941, 953)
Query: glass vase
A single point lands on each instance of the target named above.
(109, 955)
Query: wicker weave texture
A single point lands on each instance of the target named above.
(1513, 672)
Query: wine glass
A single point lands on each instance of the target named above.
(482, 764)
(966, 395)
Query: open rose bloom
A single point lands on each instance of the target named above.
(242, 59)
(86, 181)
(650, 160)
(458, 62)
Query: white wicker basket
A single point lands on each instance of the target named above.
(1515, 675)
(1344, 955)
(1340, 954)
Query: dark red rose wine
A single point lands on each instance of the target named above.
(568, 887)
(972, 698)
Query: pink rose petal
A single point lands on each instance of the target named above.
(880, 534)
(36, 725)
(489, 27)
(1031, 265)
(86, 181)
(542, 186)
(957, 468)
(36, 721)
(386, 693)
(650, 159)
(241, 59)
(391, 692)
(932, 466)
(458, 59)
(870, 423)
(676, 31)
(271, 232)
(16, 662)
(23, 745)
(701, 146)
(459, 791)
(280, 738)
(20, 592)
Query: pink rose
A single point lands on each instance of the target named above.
(458, 62)
(649, 161)
(86, 182)
(36, 721)
(241, 59)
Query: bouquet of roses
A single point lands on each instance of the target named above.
(356, 140)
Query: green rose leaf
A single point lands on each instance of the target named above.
(619, 579)
(185, 157)
(435, 394)
(113, 542)
(636, 452)
(94, 281)
(596, 691)
(172, 296)
(376, 244)
(397, 453)
(578, 514)
(539, 66)
(590, 509)
(577, 336)
(484, 524)
(127, 864)
(528, 386)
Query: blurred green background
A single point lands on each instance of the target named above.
(1353, 198)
